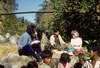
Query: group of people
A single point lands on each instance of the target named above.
(75, 48)
(29, 44)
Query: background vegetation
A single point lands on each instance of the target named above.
(81, 15)
(10, 23)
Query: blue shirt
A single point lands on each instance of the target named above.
(24, 39)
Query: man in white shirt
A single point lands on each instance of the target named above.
(57, 41)
(93, 52)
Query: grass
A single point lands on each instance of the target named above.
(5, 49)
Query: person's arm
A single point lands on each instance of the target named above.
(72, 43)
(23, 40)
(35, 42)
(80, 40)
(52, 40)
(61, 40)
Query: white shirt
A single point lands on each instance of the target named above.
(52, 40)
(77, 42)
(89, 65)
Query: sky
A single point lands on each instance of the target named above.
(28, 5)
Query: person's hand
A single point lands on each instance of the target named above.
(35, 42)
(78, 49)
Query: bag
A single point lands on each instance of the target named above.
(70, 48)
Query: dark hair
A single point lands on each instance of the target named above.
(64, 58)
(30, 27)
(39, 33)
(46, 54)
(32, 64)
(78, 65)
(55, 30)
(2, 66)
(93, 46)
(24, 67)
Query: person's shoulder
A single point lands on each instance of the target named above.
(59, 35)
(52, 35)
(25, 34)
(79, 38)
(72, 39)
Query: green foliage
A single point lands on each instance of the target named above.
(78, 15)
(8, 5)
(14, 25)
(11, 24)
(41, 27)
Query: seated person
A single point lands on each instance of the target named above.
(64, 61)
(29, 43)
(46, 56)
(56, 41)
(76, 43)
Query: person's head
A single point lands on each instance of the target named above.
(2, 66)
(93, 50)
(74, 34)
(78, 65)
(32, 64)
(31, 29)
(24, 67)
(46, 56)
(65, 58)
(56, 32)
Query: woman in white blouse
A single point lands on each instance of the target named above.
(76, 43)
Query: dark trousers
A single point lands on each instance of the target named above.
(31, 50)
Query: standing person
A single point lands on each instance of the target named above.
(56, 41)
(64, 61)
(29, 44)
(93, 52)
(46, 56)
(76, 43)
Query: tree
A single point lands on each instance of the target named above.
(80, 15)
(12, 24)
